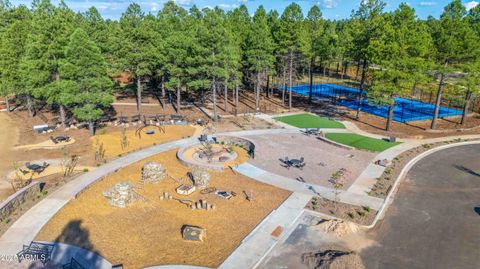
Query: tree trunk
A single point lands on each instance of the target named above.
(345, 69)
(310, 74)
(290, 81)
(390, 114)
(284, 84)
(358, 71)
(267, 91)
(139, 95)
(214, 95)
(7, 104)
(91, 128)
(362, 82)
(338, 68)
(468, 99)
(235, 98)
(179, 95)
(163, 86)
(257, 93)
(63, 116)
(438, 101)
(30, 105)
(226, 96)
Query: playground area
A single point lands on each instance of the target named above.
(148, 231)
(405, 110)
(119, 142)
(321, 159)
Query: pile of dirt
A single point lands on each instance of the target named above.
(337, 227)
(332, 259)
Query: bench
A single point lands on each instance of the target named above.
(36, 251)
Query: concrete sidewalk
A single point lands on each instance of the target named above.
(293, 185)
(260, 241)
(365, 182)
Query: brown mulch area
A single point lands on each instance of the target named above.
(385, 182)
(357, 214)
(147, 232)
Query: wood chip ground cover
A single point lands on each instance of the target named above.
(148, 233)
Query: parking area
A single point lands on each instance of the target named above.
(434, 221)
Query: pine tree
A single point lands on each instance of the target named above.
(292, 40)
(13, 41)
(259, 49)
(84, 79)
(315, 25)
(401, 53)
(137, 52)
(366, 26)
(50, 30)
(455, 44)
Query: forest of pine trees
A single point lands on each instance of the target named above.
(52, 55)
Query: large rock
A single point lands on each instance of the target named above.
(201, 177)
(153, 172)
(121, 194)
(193, 233)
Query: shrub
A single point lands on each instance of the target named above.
(85, 170)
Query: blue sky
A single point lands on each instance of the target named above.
(332, 9)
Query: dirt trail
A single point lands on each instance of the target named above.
(9, 135)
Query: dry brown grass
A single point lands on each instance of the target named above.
(148, 233)
(112, 140)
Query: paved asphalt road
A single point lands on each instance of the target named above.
(434, 221)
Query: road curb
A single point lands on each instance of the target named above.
(391, 195)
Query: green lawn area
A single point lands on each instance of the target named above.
(361, 142)
(310, 121)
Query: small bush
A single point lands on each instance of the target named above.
(45, 193)
(366, 208)
(351, 215)
(361, 213)
(85, 170)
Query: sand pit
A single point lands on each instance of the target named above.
(148, 232)
(112, 142)
(48, 144)
(338, 228)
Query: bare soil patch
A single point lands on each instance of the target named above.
(148, 232)
(357, 214)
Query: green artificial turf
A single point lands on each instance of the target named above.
(310, 121)
(360, 142)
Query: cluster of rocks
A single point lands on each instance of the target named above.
(201, 177)
(153, 172)
(121, 194)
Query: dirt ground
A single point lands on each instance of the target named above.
(321, 159)
(352, 213)
(8, 138)
(148, 233)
